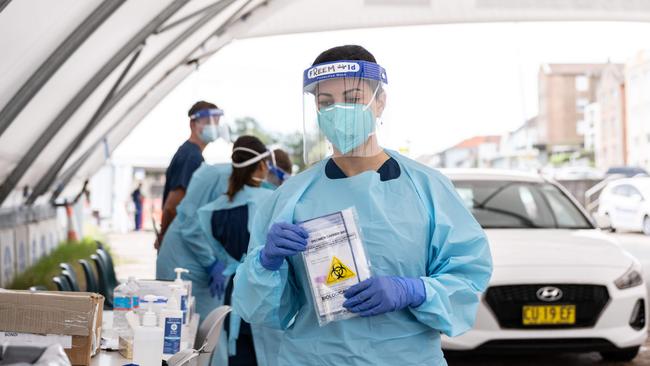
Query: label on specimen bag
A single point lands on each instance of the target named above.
(335, 260)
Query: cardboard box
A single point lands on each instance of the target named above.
(7, 257)
(72, 319)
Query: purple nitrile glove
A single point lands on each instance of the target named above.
(217, 279)
(283, 240)
(379, 295)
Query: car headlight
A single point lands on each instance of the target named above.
(631, 278)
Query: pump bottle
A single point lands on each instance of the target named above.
(172, 324)
(182, 293)
(148, 339)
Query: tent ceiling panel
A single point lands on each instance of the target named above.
(90, 86)
(26, 45)
(71, 77)
(308, 16)
(151, 75)
(87, 160)
(188, 12)
(166, 59)
(67, 132)
(95, 156)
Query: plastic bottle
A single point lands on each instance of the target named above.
(172, 323)
(182, 292)
(122, 304)
(148, 338)
(135, 292)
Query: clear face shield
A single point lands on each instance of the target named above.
(211, 125)
(343, 102)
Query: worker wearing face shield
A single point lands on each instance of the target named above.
(429, 257)
(205, 127)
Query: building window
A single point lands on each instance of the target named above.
(582, 83)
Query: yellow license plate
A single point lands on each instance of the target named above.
(549, 314)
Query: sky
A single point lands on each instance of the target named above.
(445, 82)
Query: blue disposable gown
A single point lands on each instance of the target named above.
(186, 246)
(266, 340)
(413, 226)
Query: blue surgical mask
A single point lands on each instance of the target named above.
(209, 133)
(346, 125)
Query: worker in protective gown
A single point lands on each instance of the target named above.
(429, 258)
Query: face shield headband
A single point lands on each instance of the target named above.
(203, 113)
(257, 157)
(343, 69)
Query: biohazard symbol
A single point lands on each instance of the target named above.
(338, 272)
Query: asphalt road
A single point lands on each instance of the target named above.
(639, 246)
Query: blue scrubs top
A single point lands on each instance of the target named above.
(187, 159)
(230, 228)
(388, 171)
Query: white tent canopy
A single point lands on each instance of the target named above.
(77, 76)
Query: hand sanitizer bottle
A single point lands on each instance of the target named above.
(183, 293)
(148, 339)
(172, 323)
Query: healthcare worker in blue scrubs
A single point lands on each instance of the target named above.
(226, 224)
(205, 126)
(429, 257)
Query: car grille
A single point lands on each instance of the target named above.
(507, 303)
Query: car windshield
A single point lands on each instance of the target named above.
(520, 205)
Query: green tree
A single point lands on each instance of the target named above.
(293, 143)
(250, 126)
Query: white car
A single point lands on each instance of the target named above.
(625, 204)
(559, 284)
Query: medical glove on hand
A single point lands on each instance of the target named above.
(379, 295)
(283, 240)
(217, 279)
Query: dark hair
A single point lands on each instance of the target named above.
(348, 52)
(242, 176)
(282, 160)
(200, 105)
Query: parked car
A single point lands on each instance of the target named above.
(559, 283)
(625, 204)
(627, 171)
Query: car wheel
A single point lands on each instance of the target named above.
(623, 354)
(646, 225)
